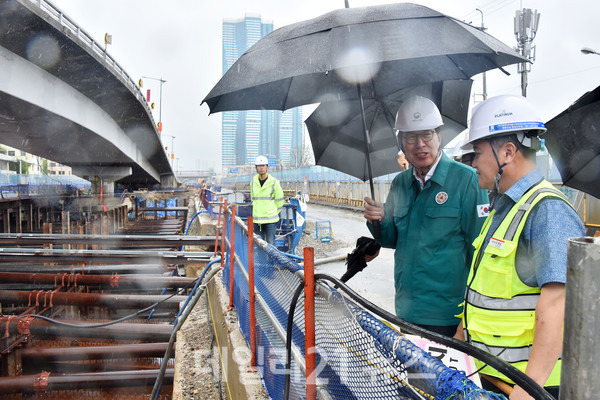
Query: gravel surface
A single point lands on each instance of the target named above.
(198, 369)
(322, 249)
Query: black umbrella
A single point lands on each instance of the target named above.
(337, 134)
(389, 47)
(356, 53)
(573, 139)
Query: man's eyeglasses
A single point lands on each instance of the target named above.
(411, 138)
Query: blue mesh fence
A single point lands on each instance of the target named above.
(315, 173)
(358, 356)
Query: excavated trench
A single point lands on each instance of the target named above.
(89, 314)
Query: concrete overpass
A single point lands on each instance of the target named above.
(62, 97)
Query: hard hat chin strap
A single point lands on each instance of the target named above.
(496, 191)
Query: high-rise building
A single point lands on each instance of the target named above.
(247, 134)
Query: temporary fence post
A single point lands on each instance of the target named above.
(218, 226)
(232, 257)
(309, 323)
(223, 236)
(251, 291)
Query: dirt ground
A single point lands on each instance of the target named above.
(322, 249)
(198, 375)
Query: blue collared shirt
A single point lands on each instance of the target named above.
(542, 251)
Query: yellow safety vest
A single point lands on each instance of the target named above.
(499, 314)
(267, 200)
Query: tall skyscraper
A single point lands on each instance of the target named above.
(248, 134)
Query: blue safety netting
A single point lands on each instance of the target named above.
(315, 173)
(358, 356)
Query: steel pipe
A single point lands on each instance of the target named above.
(102, 256)
(94, 352)
(64, 279)
(113, 301)
(119, 331)
(46, 383)
(87, 269)
(22, 239)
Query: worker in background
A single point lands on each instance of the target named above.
(267, 201)
(515, 298)
(432, 214)
(465, 158)
(463, 155)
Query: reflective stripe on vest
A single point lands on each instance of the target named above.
(266, 218)
(508, 354)
(499, 312)
(519, 302)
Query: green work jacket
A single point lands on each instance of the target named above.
(432, 231)
(267, 200)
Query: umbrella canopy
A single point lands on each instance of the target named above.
(382, 48)
(336, 129)
(573, 139)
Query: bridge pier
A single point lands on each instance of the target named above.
(102, 178)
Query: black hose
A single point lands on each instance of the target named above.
(288, 341)
(524, 381)
(102, 324)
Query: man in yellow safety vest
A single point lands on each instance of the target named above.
(267, 200)
(515, 297)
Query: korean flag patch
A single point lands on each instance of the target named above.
(483, 210)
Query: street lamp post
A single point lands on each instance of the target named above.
(587, 50)
(161, 80)
(483, 75)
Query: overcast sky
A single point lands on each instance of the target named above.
(180, 42)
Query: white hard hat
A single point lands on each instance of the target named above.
(418, 114)
(458, 150)
(261, 160)
(504, 115)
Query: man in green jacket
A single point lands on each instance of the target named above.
(267, 201)
(432, 214)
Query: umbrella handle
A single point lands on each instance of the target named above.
(376, 229)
